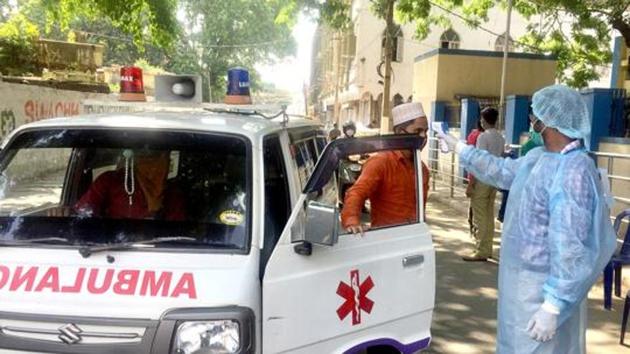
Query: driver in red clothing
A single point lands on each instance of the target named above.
(388, 179)
(139, 190)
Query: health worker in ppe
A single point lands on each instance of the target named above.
(557, 236)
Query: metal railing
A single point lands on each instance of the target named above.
(437, 160)
(610, 159)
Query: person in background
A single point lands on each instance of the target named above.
(349, 129)
(334, 133)
(481, 194)
(471, 139)
(388, 179)
(557, 237)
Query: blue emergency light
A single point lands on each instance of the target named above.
(238, 86)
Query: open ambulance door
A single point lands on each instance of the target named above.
(325, 291)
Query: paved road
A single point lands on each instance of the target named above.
(465, 315)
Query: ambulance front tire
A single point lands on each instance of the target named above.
(380, 349)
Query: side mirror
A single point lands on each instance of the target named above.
(321, 224)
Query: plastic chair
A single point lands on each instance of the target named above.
(613, 268)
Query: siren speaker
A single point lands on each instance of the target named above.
(178, 88)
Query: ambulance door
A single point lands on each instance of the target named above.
(349, 293)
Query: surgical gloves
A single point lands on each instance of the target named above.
(543, 324)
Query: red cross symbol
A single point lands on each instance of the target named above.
(356, 298)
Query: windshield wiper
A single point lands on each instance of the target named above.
(36, 240)
(86, 251)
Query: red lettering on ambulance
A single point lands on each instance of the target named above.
(4, 276)
(127, 282)
(49, 280)
(107, 282)
(19, 279)
(78, 282)
(186, 285)
(149, 283)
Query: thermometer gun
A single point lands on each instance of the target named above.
(441, 128)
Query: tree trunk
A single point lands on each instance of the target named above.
(623, 27)
(386, 113)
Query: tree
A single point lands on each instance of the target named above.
(17, 46)
(222, 34)
(577, 32)
(136, 17)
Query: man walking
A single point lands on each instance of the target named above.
(482, 194)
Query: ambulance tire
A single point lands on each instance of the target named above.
(381, 349)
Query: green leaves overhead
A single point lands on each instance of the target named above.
(576, 31)
(140, 18)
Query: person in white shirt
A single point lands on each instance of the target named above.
(482, 195)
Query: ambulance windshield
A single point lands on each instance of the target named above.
(110, 186)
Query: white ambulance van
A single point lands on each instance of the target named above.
(237, 249)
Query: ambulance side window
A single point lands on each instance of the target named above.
(306, 153)
(277, 205)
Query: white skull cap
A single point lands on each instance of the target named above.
(406, 112)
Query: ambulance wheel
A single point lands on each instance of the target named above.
(381, 349)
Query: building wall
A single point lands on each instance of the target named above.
(361, 70)
(444, 74)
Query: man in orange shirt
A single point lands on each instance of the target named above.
(388, 179)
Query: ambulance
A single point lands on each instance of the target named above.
(238, 249)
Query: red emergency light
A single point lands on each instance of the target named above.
(131, 84)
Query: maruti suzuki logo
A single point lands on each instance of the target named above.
(70, 333)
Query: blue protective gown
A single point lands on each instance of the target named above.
(557, 238)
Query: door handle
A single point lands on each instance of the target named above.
(411, 261)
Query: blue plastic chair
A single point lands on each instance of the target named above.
(613, 268)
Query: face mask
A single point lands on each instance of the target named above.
(535, 137)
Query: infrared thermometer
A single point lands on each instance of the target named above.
(441, 129)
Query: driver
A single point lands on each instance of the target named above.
(139, 190)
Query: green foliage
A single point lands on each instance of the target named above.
(17, 46)
(136, 17)
(223, 34)
(576, 32)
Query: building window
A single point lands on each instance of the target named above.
(397, 47)
(498, 44)
(449, 39)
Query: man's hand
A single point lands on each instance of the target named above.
(469, 189)
(357, 229)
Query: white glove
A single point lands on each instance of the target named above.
(543, 324)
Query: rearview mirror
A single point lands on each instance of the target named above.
(321, 224)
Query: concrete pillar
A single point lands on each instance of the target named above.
(600, 106)
(469, 116)
(516, 118)
(438, 111)
(438, 114)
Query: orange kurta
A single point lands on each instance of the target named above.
(388, 180)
